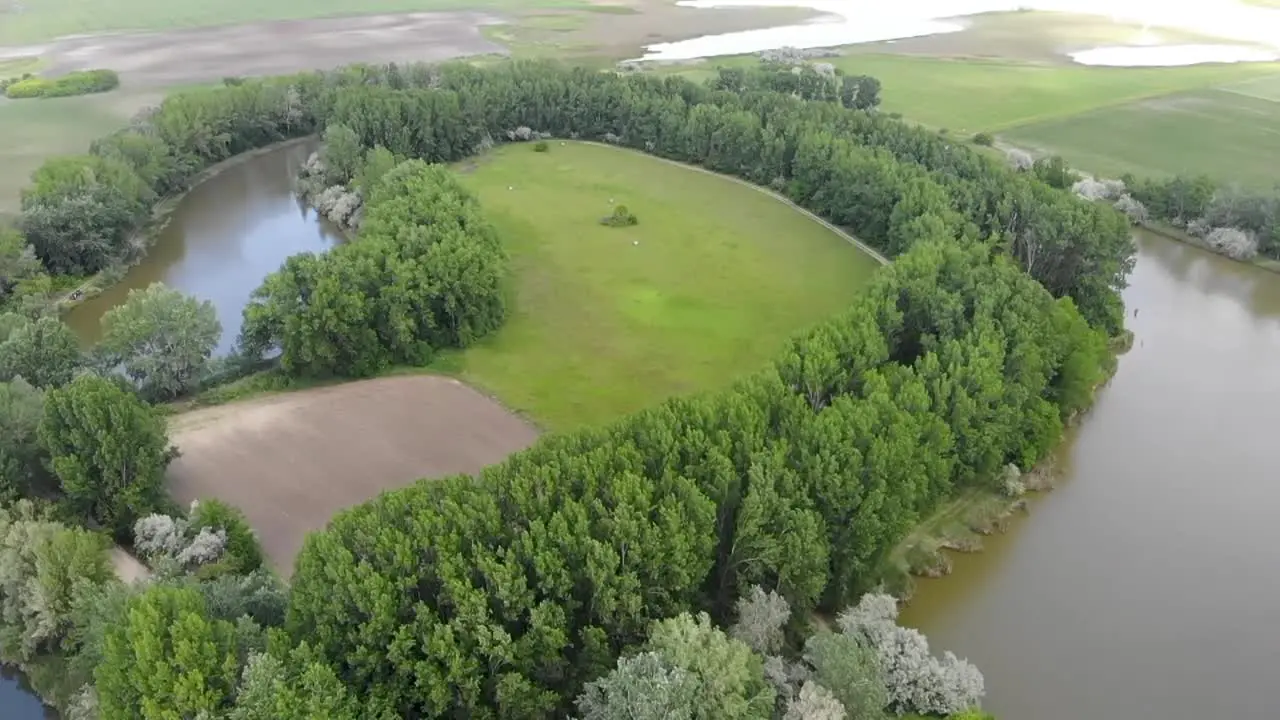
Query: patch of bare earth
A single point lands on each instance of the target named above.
(292, 461)
(177, 57)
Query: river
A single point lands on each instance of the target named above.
(1145, 585)
(223, 238)
(17, 702)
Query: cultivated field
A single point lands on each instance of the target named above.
(32, 130)
(605, 321)
(31, 21)
(209, 54)
(1230, 132)
(969, 95)
(291, 461)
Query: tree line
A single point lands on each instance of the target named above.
(504, 595)
(1234, 221)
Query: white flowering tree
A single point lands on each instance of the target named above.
(1132, 209)
(164, 540)
(1232, 242)
(761, 618)
(1020, 160)
(814, 703)
(916, 681)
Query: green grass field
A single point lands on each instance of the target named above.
(37, 129)
(48, 19)
(966, 96)
(1231, 133)
(605, 321)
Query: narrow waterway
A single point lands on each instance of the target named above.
(1145, 585)
(224, 237)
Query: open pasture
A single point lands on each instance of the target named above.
(1231, 133)
(291, 461)
(604, 321)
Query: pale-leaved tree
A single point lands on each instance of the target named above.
(642, 687)
(915, 680)
(162, 340)
(815, 703)
(762, 615)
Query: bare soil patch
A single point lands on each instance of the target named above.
(158, 59)
(291, 461)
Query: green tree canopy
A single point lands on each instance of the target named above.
(44, 352)
(108, 449)
(162, 339)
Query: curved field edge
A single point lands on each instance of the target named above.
(291, 461)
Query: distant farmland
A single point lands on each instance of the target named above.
(1231, 132)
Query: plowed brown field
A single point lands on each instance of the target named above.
(291, 461)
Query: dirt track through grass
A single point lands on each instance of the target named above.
(292, 461)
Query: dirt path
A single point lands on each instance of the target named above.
(128, 568)
(291, 461)
(776, 196)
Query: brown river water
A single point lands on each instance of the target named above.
(224, 237)
(1143, 587)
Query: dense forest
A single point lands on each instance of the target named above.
(514, 593)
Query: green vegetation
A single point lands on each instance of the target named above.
(1228, 133)
(972, 95)
(80, 82)
(36, 131)
(801, 477)
(49, 19)
(707, 287)
(108, 450)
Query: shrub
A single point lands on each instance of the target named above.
(243, 551)
(81, 82)
(541, 146)
(984, 139)
(621, 217)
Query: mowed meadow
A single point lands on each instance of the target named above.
(604, 321)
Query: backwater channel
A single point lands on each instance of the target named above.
(1142, 587)
(223, 238)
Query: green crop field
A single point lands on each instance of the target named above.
(37, 129)
(48, 19)
(1231, 133)
(603, 320)
(970, 95)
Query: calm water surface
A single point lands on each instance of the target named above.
(225, 236)
(1145, 586)
(17, 702)
(849, 22)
